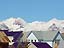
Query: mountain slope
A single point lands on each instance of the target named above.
(18, 24)
(14, 23)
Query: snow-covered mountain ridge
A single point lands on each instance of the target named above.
(18, 24)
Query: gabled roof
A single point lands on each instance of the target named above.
(23, 37)
(3, 26)
(45, 35)
(28, 33)
(62, 35)
(3, 37)
(19, 36)
(41, 45)
(61, 44)
(23, 44)
(16, 34)
(31, 45)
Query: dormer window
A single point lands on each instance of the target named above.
(31, 40)
(35, 40)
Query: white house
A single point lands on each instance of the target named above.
(32, 38)
(50, 37)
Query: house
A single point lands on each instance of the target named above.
(4, 40)
(39, 45)
(15, 44)
(3, 26)
(3, 37)
(31, 45)
(50, 37)
(62, 35)
(61, 43)
(13, 36)
(21, 44)
(23, 38)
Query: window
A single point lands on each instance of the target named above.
(31, 40)
(35, 40)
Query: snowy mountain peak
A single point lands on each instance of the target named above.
(14, 20)
(14, 23)
(18, 24)
(54, 19)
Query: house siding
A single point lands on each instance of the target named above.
(32, 46)
(32, 37)
(61, 45)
